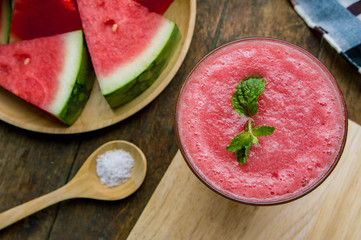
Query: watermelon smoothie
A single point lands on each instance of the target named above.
(301, 100)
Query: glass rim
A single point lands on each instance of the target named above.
(325, 175)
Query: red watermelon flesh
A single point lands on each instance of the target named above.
(116, 31)
(40, 18)
(158, 6)
(53, 73)
(30, 76)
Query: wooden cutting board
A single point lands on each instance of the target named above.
(183, 208)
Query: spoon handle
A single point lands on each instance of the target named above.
(19, 212)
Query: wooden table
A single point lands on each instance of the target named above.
(33, 164)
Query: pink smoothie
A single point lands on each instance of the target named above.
(301, 100)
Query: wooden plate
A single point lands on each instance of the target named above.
(97, 113)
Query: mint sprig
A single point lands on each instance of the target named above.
(244, 102)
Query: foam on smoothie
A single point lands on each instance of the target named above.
(299, 101)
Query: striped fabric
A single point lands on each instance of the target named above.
(339, 21)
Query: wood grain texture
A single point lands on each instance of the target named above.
(33, 164)
(348, 78)
(30, 166)
(183, 208)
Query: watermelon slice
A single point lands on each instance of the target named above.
(129, 46)
(41, 18)
(5, 16)
(53, 73)
(158, 6)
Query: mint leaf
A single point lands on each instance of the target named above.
(244, 100)
(239, 142)
(237, 106)
(242, 154)
(262, 131)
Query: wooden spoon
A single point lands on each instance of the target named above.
(85, 184)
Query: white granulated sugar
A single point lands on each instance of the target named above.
(114, 167)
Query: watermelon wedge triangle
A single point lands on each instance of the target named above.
(129, 46)
(52, 73)
(5, 16)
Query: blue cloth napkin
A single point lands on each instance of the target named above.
(339, 21)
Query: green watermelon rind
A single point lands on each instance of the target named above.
(80, 92)
(144, 80)
(5, 22)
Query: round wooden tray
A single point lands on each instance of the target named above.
(97, 113)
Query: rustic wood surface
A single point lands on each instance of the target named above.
(33, 164)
